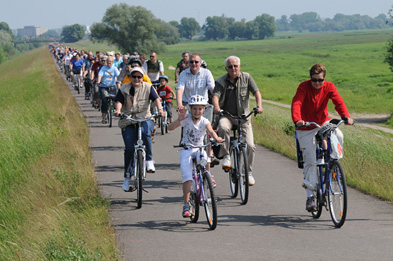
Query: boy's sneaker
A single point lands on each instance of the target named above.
(126, 183)
(226, 162)
(150, 166)
(251, 180)
(214, 161)
(310, 204)
(186, 211)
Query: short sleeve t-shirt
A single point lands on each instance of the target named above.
(108, 76)
(193, 133)
(165, 92)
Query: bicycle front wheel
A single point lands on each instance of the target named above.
(337, 194)
(78, 85)
(139, 177)
(243, 177)
(162, 122)
(110, 113)
(209, 201)
(233, 180)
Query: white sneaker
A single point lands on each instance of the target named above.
(150, 166)
(251, 180)
(126, 183)
(226, 162)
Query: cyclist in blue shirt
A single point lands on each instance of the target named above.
(106, 78)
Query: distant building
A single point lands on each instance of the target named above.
(31, 31)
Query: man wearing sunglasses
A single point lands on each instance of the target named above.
(154, 67)
(125, 76)
(310, 105)
(232, 94)
(194, 81)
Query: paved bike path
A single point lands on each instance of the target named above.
(272, 226)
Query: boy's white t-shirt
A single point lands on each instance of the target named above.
(193, 133)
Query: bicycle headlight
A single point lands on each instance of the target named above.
(203, 162)
(139, 142)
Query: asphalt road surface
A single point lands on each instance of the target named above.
(274, 224)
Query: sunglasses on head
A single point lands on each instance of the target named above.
(194, 62)
(317, 80)
(137, 76)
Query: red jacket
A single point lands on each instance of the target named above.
(310, 104)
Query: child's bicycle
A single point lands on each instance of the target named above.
(163, 122)
(238, 172)
(202, 192)
(331, 190)
(139, 166)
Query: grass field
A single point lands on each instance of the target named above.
(50, 205)
(354, 62)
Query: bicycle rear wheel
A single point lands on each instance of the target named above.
(194, 207)
(337, 194)
(139, 177)
(209, 201)
(233, 179)
(243, 177)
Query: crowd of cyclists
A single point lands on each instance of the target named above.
(141, 86)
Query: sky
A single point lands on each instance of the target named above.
(56, 14)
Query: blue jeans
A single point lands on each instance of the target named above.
(130, 137)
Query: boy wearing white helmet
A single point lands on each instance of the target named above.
(194, 129)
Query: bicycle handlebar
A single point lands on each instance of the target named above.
(333, 121)
(187, 146)
(128, 117)
(242, 117)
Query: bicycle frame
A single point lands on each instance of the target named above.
(327, 179)
(139, 147)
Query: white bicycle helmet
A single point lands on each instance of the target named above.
(197, 100)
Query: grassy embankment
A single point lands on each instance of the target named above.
(50, 205)
(354, 61)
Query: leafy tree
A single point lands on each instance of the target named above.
(130, 28)
(188, 27)
(168, 33)
(52, 33)
(216, 27)
(283, 24)
(72, 33)
(237, 30)
(175, 24)
(266, 25)
(252, 30)
(5, 27)
(389, 48)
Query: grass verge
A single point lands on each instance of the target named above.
(50, 205)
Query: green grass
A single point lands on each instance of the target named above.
(50, 205)
(354, 62)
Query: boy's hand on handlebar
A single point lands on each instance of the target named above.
(116, 113)
(300, 123)
(260, 110)
(349, 121)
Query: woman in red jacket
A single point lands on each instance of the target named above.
(310, 105)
